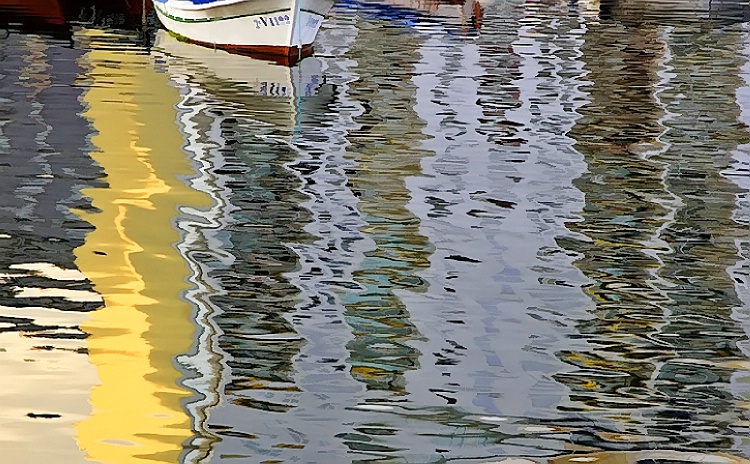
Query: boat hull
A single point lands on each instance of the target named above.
(283, 27)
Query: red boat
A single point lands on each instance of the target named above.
(56, 14)
(31, 11)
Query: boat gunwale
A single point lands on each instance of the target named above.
(180, 19)
(189, 6)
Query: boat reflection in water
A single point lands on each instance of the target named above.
(261, 90)
(241, 117)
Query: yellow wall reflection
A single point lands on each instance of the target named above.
(132, 260)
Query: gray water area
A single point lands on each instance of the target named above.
(509, 232)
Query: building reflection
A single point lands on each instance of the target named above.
(496, 111)
(702, 237)
(131, 258)
(385, 155)
(46, 375)
(660, 228)
(621, 222)
(265, 265)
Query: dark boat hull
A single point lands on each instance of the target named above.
(56, 15)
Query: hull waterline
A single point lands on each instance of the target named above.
(281, 28)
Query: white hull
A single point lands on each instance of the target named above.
(253, 25)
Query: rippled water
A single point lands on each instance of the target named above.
(509, 233)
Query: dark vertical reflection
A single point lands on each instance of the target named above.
(258, 296)
(700, 329)
(42, 297)
(621, 217)
(385, 153)
(659, 221)
(41, 151)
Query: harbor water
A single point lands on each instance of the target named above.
(509, 231)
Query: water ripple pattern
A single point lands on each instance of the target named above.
(461, 231)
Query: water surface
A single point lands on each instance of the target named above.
(456, 233)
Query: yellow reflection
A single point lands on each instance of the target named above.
(132, 261)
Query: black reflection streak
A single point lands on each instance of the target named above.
(257, 295)
(44, 167)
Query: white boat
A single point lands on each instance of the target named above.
(276, 27)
